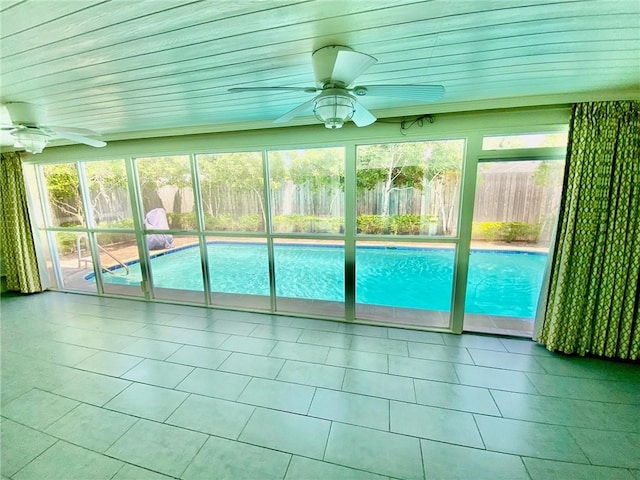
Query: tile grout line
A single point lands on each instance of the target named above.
(123, 433)
(244, 427)
(119, 470)
(194, 457)
(495, 402)
(286, 470)
(424, 471)
(38, 456)
(526, 469)
(578, 444)
(164, 422)
(475, 421)
(344, 376)
(326, 443)
(315, 389)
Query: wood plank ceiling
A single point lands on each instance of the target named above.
(134, 68)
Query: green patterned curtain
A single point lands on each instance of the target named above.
(16, 239)
(594, 294)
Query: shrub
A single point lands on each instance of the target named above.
(327, 225)
(66, 242)
(486, 230)
(519, 231)
(293, 223)
(219, 223)
(506, 231)
(250, 223)
(372, 224)
(407, 224)
(182, 221)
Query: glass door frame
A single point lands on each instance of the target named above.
(476, 156)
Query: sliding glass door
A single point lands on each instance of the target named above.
(514, 217)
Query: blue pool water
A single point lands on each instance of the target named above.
(499, 283)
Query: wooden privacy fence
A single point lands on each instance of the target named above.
(500, 197)
(514, 197)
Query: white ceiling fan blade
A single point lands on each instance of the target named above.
(362, 117)
(350, 65)
(77, 131)
(26, 113)
(423, 93)
(295, 112)
(257, 89)
(80, 139)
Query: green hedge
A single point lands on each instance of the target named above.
(217, 223)
(408, 224)
(297, 223)
(182, 221)
(506, 231)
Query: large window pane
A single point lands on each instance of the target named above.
(48, 259)
(515, 213)
(176, 271)
(307, 190)
(409, 188)
(232, 189)
(165, 183)
(63, 195)
(119, 264)
(310, 276)
(74, 258)
(109, 194)
(406, 284)
(239, 272)
(526, 140)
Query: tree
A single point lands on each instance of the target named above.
(442, 177)
(434, 167)
(398, 165)
(157, 172)
(231, 182)
(319, 172)
(63, 189)
(106, 182)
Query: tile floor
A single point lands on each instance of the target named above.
(119, 389)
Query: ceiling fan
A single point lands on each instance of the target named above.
(335, 68)
(29, 130)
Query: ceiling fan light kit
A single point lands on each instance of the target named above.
(33, 141)
(335, 68)
(333, 108)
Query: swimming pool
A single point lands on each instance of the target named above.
(503, 283)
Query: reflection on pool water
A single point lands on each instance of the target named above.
(504, 283)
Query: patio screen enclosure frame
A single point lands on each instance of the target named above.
(473, 129)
